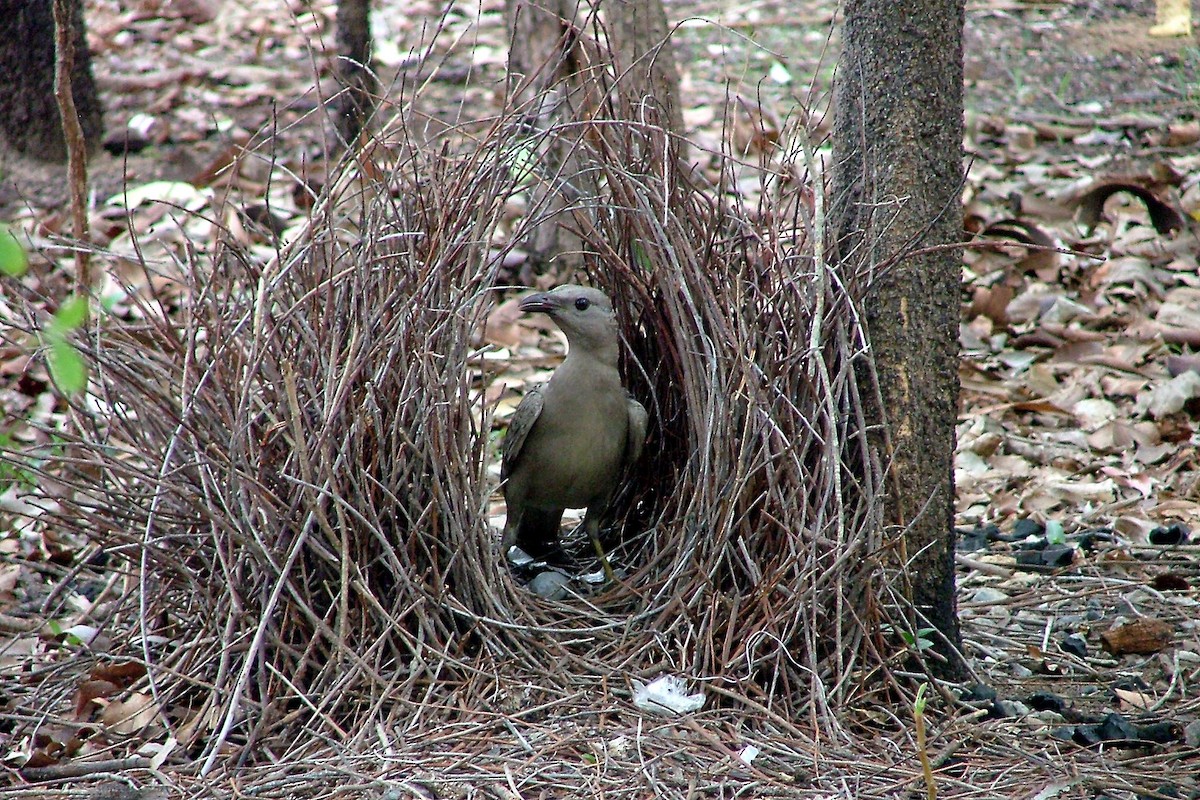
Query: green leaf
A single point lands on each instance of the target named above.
(1054, 532)
(919, 703)
(13, 261)
(642, 257)
(67, 367)
(71, 314)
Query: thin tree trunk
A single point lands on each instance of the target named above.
(897, 186)
(30, 122)
(73, 135)
(638, 33)
(359, 86)
(543, 69)
(559, 76)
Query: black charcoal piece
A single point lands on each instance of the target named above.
(1075, 645)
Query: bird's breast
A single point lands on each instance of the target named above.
(577, 453)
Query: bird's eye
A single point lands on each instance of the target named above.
(582, 303)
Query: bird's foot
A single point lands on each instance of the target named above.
(609, 575)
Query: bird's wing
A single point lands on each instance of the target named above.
(518, 429)
(635, 434)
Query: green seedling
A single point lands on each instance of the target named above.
(918, 641)
(13, 261)
(67, 368)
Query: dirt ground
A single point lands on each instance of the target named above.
(204, 69)
(1059, 94)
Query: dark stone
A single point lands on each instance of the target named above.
(1087, 540)
(1088, 735)
(1024, 528)
(550, 585)
(1058, 555)
(978, 693)
(1008, 709)
(1163, 790)
(1191, 734)
(1160, 732)
(1047, 701)
(973, 540)
(1029, 558)
(1131, 684)
(1074, 644)
(1066, 733)
(1174, 534)
(1115, 728)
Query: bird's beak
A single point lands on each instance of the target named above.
(536, 303)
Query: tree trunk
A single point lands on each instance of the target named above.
(30, 122)
(359, 86)
(546, 86)
(644, 62)
(897, 153)
(556, 81)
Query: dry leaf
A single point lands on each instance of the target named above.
(1090, 205)
(1131, 699)
(1170, 397)
(1142, 636)
(130, 715)
(502, 325)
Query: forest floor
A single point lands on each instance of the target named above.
(1078, 466)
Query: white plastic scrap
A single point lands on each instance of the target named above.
(666, 694)
(749, 753)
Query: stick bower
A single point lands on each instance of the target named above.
(285, 466)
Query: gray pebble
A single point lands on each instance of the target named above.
(550, 584)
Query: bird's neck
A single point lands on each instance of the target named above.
(601, 361)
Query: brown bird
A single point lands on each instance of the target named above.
(569, 439)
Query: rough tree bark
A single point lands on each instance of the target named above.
(644, 63)
(30, 122)
(552, 67)
(357, 100)
(897, 152)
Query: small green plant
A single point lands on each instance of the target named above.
(69, 638)
(919, 641)
(1054, 532)
(66, 364)
(13, 261)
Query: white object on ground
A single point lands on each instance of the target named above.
(666, 695)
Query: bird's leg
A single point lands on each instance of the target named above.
(591, 524)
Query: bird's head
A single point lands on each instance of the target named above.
(584, 314)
